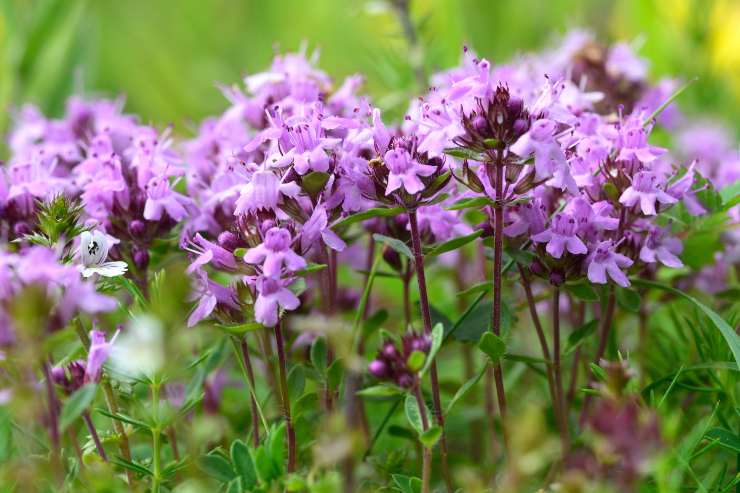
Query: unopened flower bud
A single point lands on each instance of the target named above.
(537, 268)
(557, 278)
(21, 228)
(487, 229)
(378, 368)
(141, 258)
(389, 350)
(228, 240)
(405, 380)
(137, 228)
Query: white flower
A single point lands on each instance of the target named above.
(140, 348)
(93, 252)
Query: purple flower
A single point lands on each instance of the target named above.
(274, 253)
(405, 171)
(592, 218)
(646, 189)
(272, 294)
(264, 192)
(161, 198)
(602, 260)
(681, 189)
(209, 252)
(658, 246)
(317, 227)
(99, 351)
(528, 218)
(561, 236)
(632, 143)
(548, 155)
(210, 294)
(93, 252)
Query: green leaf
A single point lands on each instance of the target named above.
(235, 486)
(453, 244)
(462, 391)
(217, 467)
(314, 182)
(383, 390)
(580, 334)
(629, 299)
(478, 321)
(294, 482)
(438, 333)
(413, 415)
(470, 203)
(731, 337)
(726, 438)
(240, 329)
(395, 244)
(276, 447)
(6, 435)
(465, 153)
(310, 268)
(430, 437)
(416, 361)
(319, 354)
(582, 291)
(131, 466)
(598, 372)
(373, 322)
(492, 345)
(296, 381)
(243, 464)
(76, 405)
(407, 484)
(266, 469)
(334, 373)
(368, 214)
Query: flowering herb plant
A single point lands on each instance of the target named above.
(516, 279)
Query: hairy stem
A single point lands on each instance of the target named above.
(284, 397)
(94, 434)
(253, 401)
(562, 412)
(498, 247)
(156, 440)
(427, 318)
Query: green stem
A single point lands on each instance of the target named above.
(156, 440)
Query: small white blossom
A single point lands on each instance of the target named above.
(93, 252)
(140, 348)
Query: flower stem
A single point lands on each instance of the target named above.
(94, 434)
(427, 318)
(284, 397)
(53, 416)
(562, 412)
(426, 466)
(241, 351)
(112, 404)
(156, 440)
(498, 247)
(604, 327)
(543, 341)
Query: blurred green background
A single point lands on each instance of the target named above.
(167, 55)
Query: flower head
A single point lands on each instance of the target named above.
(93, 253)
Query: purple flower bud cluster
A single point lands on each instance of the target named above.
(391, 362)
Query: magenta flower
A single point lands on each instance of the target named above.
(210, 294)
(210, 253)
(405, 171)
(561, 236)
(274, 253)
(526, 218)
(272, 295)
(646, 189)
(602, 260)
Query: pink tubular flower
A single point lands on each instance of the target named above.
(561, 236)
(602, 260)
(646, 189)
(264, 192)
(275, 252)
(209, 252)
(161, 198)
(272, 295)
(317, 227)
(526, 218)
(633, 143)
(98, 354)
(548, 155)
(659, 246)
(405, 171)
